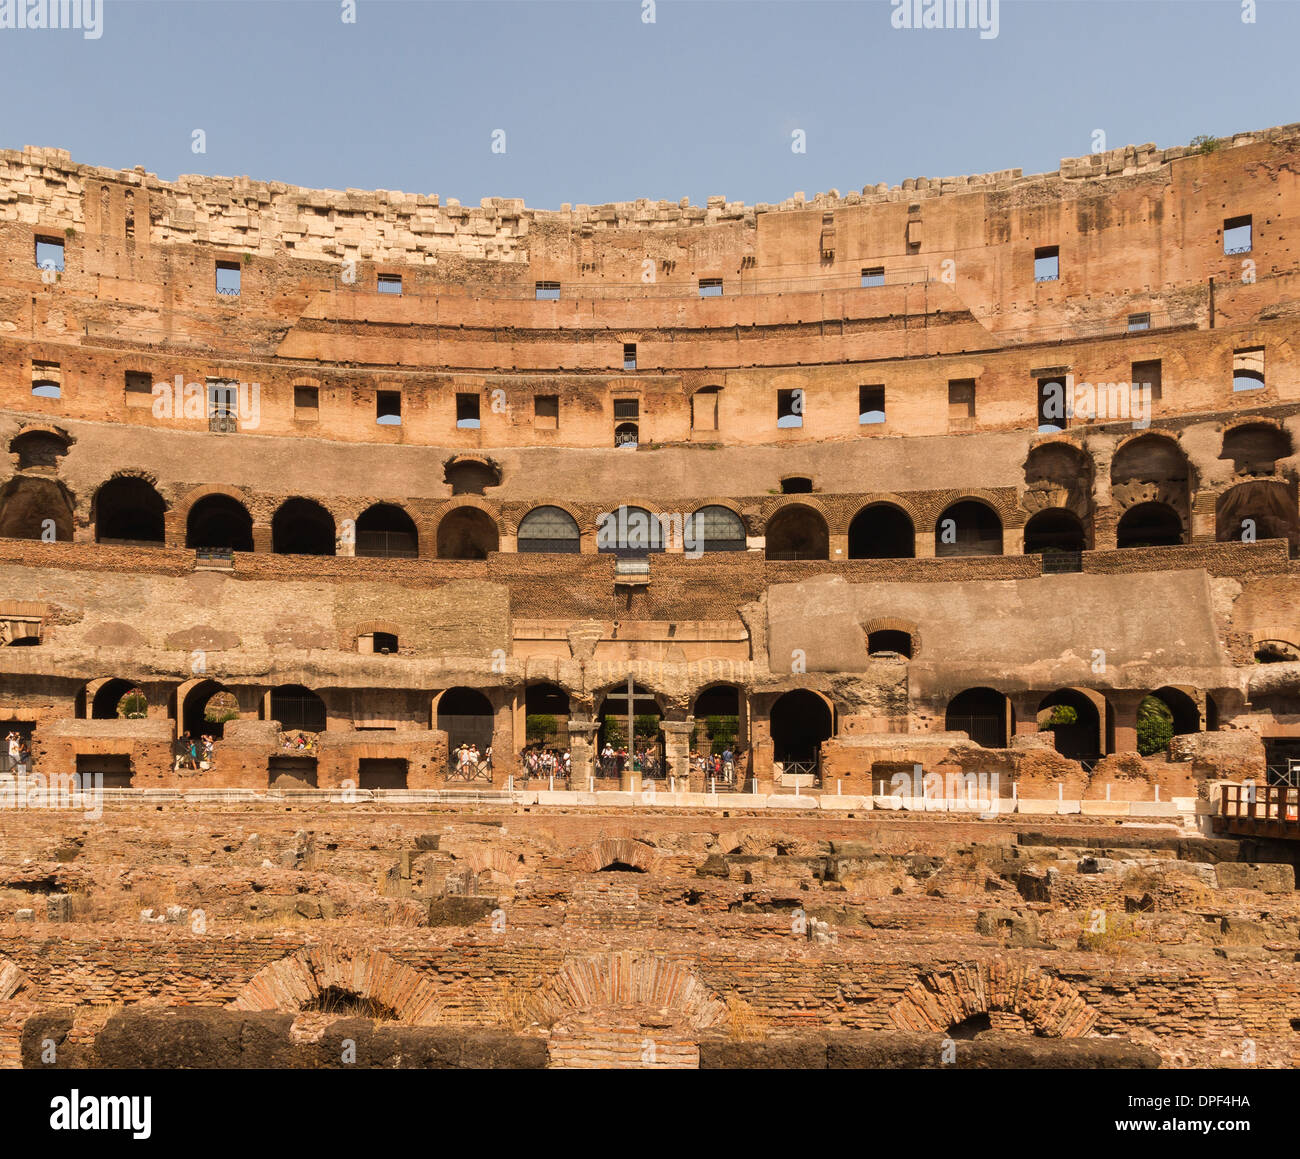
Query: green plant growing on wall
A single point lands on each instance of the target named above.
(1204, 143)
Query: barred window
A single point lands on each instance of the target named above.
(548, 529)
(718, 529)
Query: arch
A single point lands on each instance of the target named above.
(546, 713)
(219, 521)
(800, 720)
(1186, 714)
(386, 531)
(628, 978)
(1058, 463)
(1149, 525)
(193, 706)
(549, 529)
(299, 982)
(39, 448)
(1151, 468)
(882, 531)
(129, 510)
(629, 530)
(467, 717)
(32, 507)
(302, 527)
(886, 640)
(107, 698)
(647, 712)
(1054, 530)
(1081, 738)
(968, 527)
(719, 718)
(467, 532)
(626, 435)
(797, 531)
(1255, 447)
(717, 528)
(984, 714)
(297, 708)
(470, 475)
(619, 853)
(943, 999)
(1260, 509)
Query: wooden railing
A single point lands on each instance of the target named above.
(1251, 807)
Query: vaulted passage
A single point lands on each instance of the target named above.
(129, 511)
(797, 532)
(302, 527)
(385, 531)
(984, 714)
(467, 533)
(882, 531)
(218, 521)
(968, 528)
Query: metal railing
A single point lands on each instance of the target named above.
(468, 771)
(1062, 562)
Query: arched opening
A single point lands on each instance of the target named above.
(968, 527)
(118, 700)
(471, 476)
(626, 435)
(889, 642)
(546, 715)
(629, 531)
(1053, 531)
(467, 533)
(984, 714)
(208, 708)
(385, 531)
(647, 751)
(218, 521)
(882, 531)
(1276, 652)
(302, 527)
(1255, 448)
(797, 532)
(549, 530)
(715, 528)
(800, 721)
(297, 708)
(1150, 525)
(1263, 509)
(1185, 716)
(1074, 723)
(466, 716)
(717, 720)
(129, 511)
(35, 508)
(38, 450)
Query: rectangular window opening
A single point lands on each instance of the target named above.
(627, 408)
(1051, 405)
(710, 287)
(547, 291)
(871, 404)
(47, 380)
(388, 408)
(1147, 379)
(306, 402)
(1139, 322)
(1047, 263)
(704, 409)
(789, 408)
(629, 355)
(49, 254)
(467, 413)
(1248, 368)
(961, 399)
(390, 283)
(1237, 235)
(228, 279)
(139, 388)
(873, 276)
(546, 412)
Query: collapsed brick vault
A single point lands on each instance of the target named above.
(804, 498)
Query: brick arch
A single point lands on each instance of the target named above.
(628, 978)
(186, 502)
(778, 503)
(624, 850)
(512, 522)
(304, 380)
(368, 627)
(938, 1001)
(14, 981)
(894, 624)
(445, 508)
(482, 857)
(292, 982)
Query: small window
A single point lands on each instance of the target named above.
(789, 408)
(1139, 322)
(626, 435)
(306, 403)
(467, 411)
(704, 409)
(390, 283)
(228, 275)
(627, 408)
(873, 276)
(223, 406)
(796, 485)
(546, 412)
(889, 642)
(378, 643)
(1146, 378)
(710, 287)
(1047, 263)
(1236, 235)
(47, 380)
(548, 291)
(629, 355)
(49, 254)
(961, 399)
(1248, 368)
(139, 388)
(388, 408)
(1051, 405)
(871, 404)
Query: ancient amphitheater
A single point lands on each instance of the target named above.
(935, 545)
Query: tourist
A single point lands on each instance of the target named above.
(24, 758)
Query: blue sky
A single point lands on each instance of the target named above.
(598, 105)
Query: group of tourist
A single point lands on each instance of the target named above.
(546, 763)
(299, 743)
(645, 761)
(194, 752)
(469, 759)
(720, 766)
(20, 756)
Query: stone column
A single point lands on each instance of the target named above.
(582, 739)
(677, 748)
(1125, 705)
(1025, 705)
